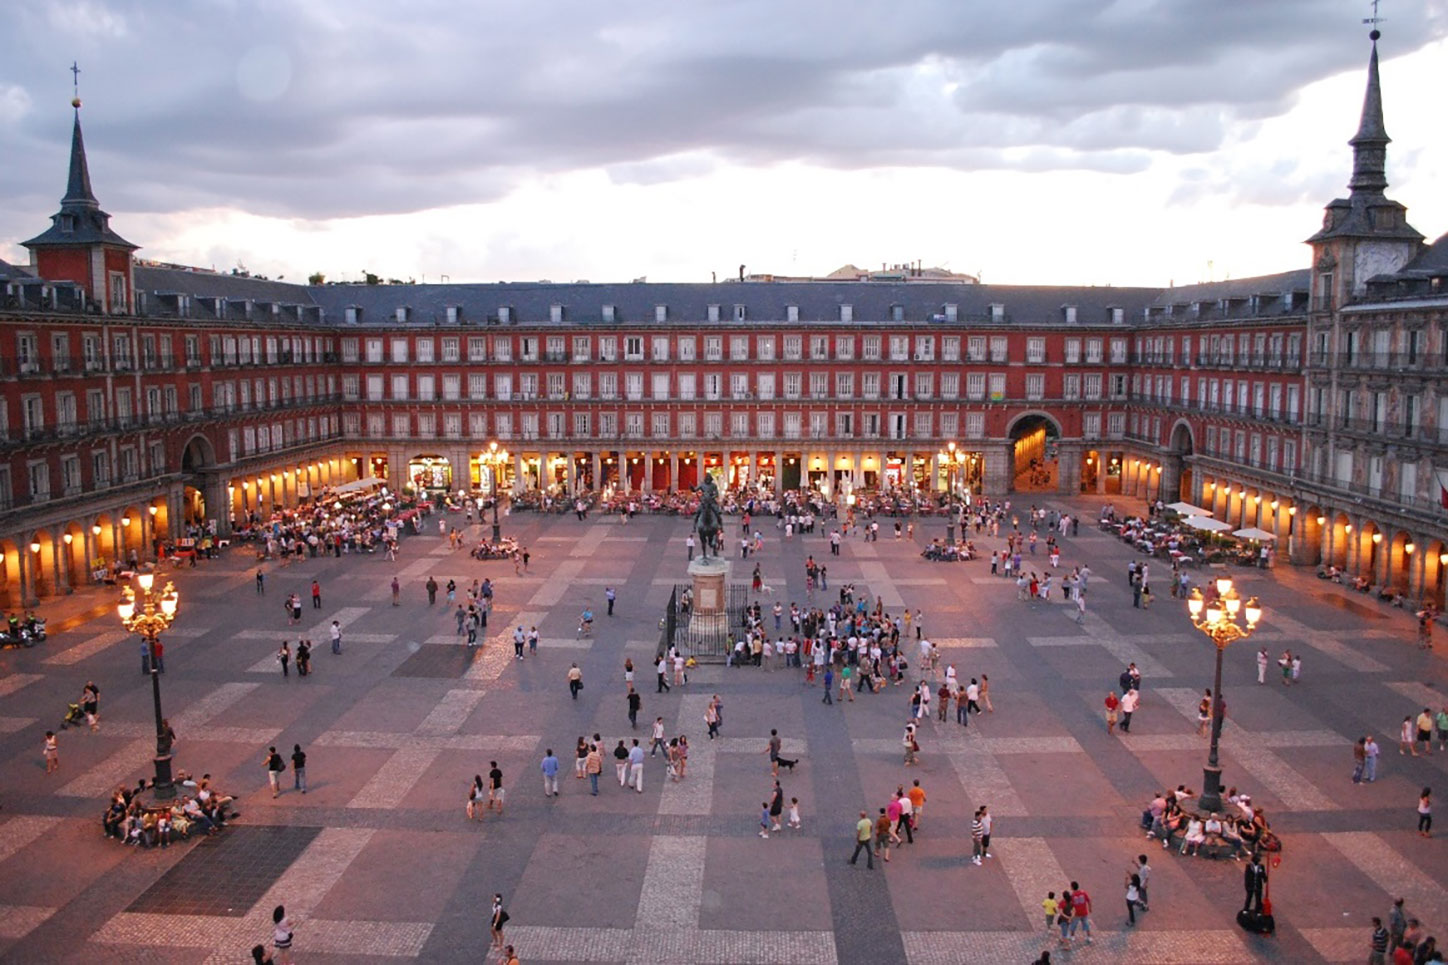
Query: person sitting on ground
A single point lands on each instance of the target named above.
(195, 815)
(1212, 828)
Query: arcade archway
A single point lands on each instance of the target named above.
(1034, 436)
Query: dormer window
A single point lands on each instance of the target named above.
(67, 223)
(791, 313)
(997, 312)
(739, 313)
(608, 313)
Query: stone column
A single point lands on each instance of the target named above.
(999, 473)
(62, 574)
(1068, 462)
(28, 596)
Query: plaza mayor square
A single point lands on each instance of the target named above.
(714, 483)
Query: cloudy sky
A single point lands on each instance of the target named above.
(1036, 141)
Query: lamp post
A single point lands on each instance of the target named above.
(496, 459)
(1218, 619)
(155, 613)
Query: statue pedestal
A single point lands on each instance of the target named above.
(708, 629)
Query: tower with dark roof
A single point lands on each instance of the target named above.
(80, 246)
(1365, 234)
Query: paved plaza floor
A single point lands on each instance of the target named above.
(378, 862)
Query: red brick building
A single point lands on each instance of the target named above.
(140, 397)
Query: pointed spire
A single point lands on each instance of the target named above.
(78, 188)
(1370, 143)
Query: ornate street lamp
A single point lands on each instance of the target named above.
(496, 459)
(155, 613)
(1218, 619)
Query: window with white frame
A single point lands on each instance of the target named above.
(764, 425)
(764, 348)
(1035, 350)
(870, 349)
(974, 425)
(713, 348)
(845, 385)
(975, 385)
(687, 348)
(659, 348)
(845, 347)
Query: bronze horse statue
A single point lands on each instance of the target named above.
(708, 521)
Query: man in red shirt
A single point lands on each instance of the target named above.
(1111, 704)
(1080, 912)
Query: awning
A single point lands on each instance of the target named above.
(1206, 524)
(1252, 532)
(358, 485)
(1187, 509)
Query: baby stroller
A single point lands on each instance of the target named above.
(73, 715)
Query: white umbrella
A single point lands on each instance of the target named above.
(1206, 524)
(1252, 532)
(1187, 509)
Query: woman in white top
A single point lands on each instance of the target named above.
(1196, 834)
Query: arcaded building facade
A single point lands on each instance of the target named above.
(138, 397)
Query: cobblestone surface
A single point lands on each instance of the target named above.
(678, 874)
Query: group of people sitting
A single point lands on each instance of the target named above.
(129, 820)
(942, 551)
(1239, 827)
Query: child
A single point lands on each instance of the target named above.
(794, 813)
(1051, 906)
(764, 820)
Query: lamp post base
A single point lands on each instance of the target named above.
(1211, 799)
(497, 534)
(163, 788)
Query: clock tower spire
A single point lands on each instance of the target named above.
(1366, 233)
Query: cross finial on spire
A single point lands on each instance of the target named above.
(75, 71)
(1374, 20)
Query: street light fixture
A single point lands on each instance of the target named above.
(156, 611)
(496, 459)
(1218, 619)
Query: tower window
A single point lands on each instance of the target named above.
(67, 223)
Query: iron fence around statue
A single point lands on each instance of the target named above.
(707, 645)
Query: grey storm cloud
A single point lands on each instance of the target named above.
(354, 107)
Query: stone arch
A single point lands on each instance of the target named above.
(11, 591)
(198, 454)
(1435, 574)
(1371, 551)
(73, 557)
(1307, 527)
(1032, 434)
(1342, 534)
(41, 548)
(1399, 561)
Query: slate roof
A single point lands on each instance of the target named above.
(1281, 283)
(9, 272)
(200, 284)
(80, 212)
(633, 303)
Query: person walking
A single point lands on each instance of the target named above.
(658, 738)
(775, 744)
(1378, 944)
(1370, 759)
(575, 680)
(610, 596)
(592, 766)
(284, 657)
(431, 586)
(635, 704)
(1424, 736)
(1425, 813)
(977, 837)
(829, 683)
(1133, 897)
(1254, 878)
(397, 592)
(549, 767)
(1128, 707)
(275, 768)
(299, 769)
(316, 595)
(1112, 703)
(711, 719)
(1262, 661)
(498, 919)
(636, 766)
(1359, 760)
(662, 668)
(336, 637)
(1080, 911)
(1142, 872)
(620, 763)
(281, 935)
(864, 831)
(52, 753)
(495, 787)
(260, 583)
